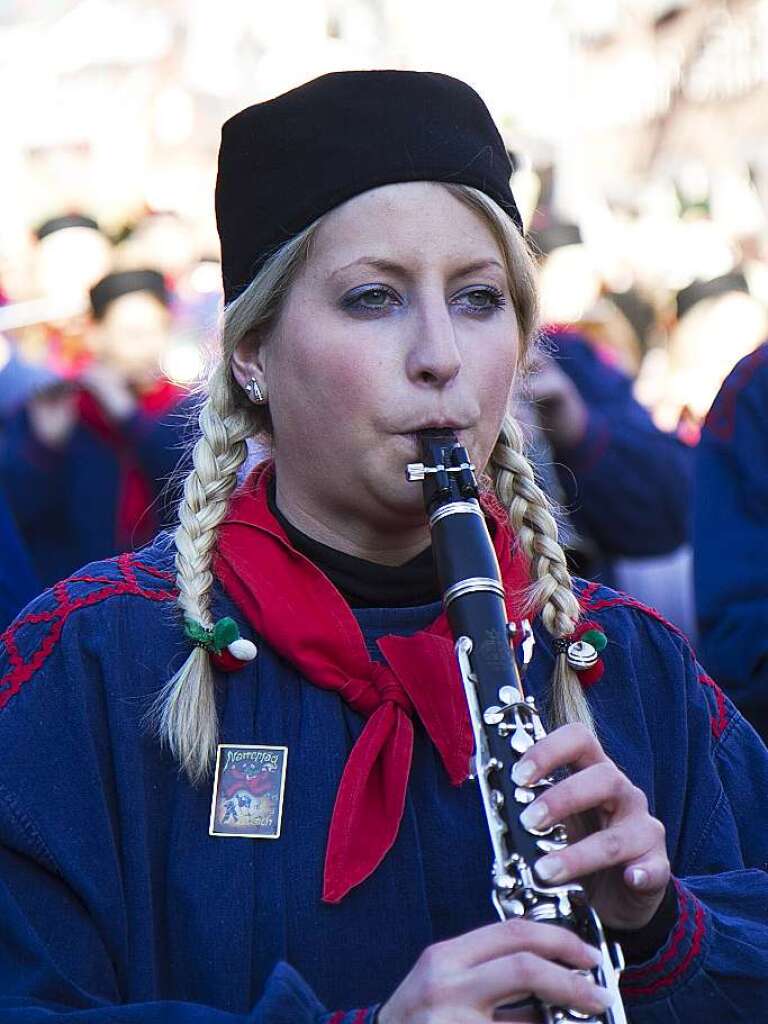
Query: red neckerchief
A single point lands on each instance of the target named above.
(296, 609)
(136, 521)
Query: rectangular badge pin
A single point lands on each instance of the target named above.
(248, 791)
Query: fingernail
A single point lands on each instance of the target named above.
(534, 815)
(594, 955)
(523, 772)
(639, 877)
(602, 997)
(549, 868)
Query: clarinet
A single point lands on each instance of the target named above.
(504, 721)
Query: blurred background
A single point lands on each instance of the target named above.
(637, 134)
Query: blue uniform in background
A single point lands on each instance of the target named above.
(731, 537)
(80, 502)
(18, 582)
(626, 484)
(115, 900)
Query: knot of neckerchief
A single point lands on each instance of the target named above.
(293, 606)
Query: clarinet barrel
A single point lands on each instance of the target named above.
(505, 722)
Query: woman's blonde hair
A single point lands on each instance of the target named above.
(184, 713)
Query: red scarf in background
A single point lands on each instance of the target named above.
(135, 519)
(295, 608)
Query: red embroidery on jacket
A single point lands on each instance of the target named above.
(721, 419)
(22, 669)
(586, 595)
(634, 975)
(633, 978)
(718, 721)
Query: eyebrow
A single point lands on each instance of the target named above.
(392, 267)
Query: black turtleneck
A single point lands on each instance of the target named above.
(365, 584)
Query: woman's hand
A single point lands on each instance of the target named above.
(53, 416)
(560, 409)
(464, 980)
(624, 864)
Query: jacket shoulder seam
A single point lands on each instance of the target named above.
(82, 590)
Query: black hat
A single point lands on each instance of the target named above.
(285, 162)
(69, 220)
(688, 297)
(124, 282)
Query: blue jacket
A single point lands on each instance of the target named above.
(115, 900)
(626, 483)
(731, 535)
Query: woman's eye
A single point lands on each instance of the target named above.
(370, 299)
(482, 299)
(375, 297)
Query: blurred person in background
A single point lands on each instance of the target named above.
(19, 382)
(623, 484)
(730, 535)
(162, 239)
(84, 466)
(18, 580)
(71, 253)
(574, 293)
(718, 322)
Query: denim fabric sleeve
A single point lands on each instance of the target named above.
(714, 964)
(731, 500)
(627, 482)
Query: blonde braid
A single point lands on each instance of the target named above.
(185, 711)
(535, 527)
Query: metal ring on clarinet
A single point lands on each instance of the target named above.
(456, 508)
(472, 585)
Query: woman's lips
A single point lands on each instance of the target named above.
(413, 437)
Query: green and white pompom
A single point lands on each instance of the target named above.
(221, 639)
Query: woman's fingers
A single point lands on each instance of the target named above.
(571, 745)
(467, 978)
(508, 937)
(647, 875)
(599, 785)
(525, 974)
(629, 842)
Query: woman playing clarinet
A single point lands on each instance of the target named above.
(236, 762)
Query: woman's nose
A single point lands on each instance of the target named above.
(433, 356)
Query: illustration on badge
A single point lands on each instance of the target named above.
(248, 791)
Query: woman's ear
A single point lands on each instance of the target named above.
(248, 360)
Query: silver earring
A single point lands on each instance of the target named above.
(256, 393)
